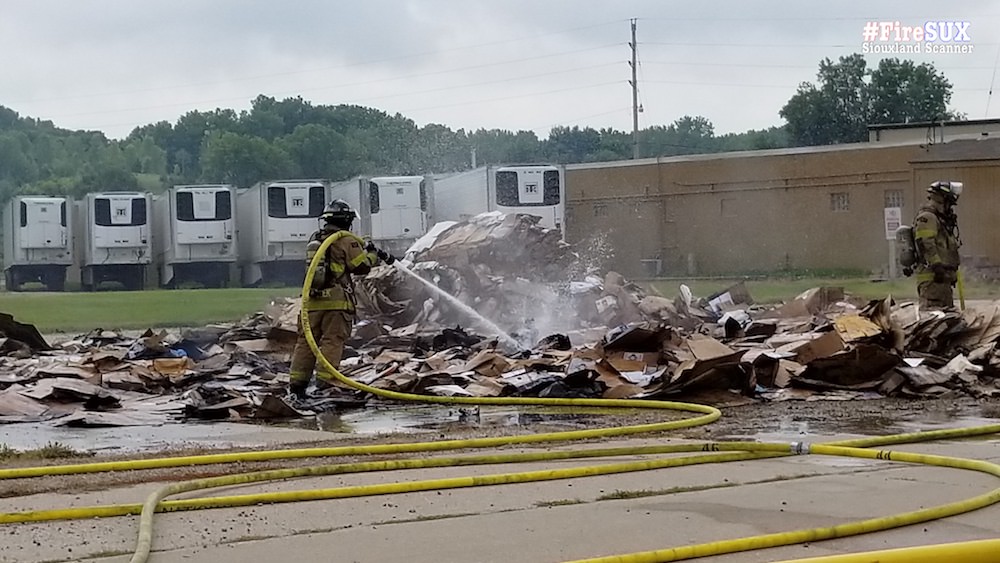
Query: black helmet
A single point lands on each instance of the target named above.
(339, 213)
(949, 190)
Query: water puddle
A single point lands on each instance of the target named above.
(134, 439)
(391, 418)
(787, 428)
(386, 419)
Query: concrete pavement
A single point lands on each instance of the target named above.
(546, 522)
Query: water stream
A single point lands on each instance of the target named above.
(469, 311)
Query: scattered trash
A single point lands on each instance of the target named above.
(581, 334)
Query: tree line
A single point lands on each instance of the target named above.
(293, 138)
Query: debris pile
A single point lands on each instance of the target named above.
(580, 335)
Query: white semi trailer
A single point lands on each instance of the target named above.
(275, 220)
(38, 241)
(393, 211)
(531, 189)
(195, 240)
(116, 236)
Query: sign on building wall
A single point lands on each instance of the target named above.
(893, 220)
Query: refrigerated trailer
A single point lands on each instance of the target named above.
(531, 189)
(393, 211)
(195, 237)
(275, 220)
(38, 241)
(115, 233)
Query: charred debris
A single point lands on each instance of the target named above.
(580, 333)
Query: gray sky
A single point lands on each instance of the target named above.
(112, 65)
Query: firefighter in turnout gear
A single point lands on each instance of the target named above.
(332, 303)
(936, 237)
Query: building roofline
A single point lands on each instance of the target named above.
(925, 124)
(817, 149)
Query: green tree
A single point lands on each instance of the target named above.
(903, 92)
(320, 152)
(849, 97)
(686, 135)
(143, 156)
(439, 149)
(243, 160)
(16, 164)
(572, 144)
(389, 145)
(754, 139)
(499, 146)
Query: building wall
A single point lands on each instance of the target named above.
(935, 133)
(818, 208)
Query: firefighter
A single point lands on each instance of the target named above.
(935, 234)
(332, 304)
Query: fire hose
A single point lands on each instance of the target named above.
(711, 452)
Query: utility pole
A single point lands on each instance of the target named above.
(635, 96)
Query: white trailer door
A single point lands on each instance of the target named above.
(43, 223)
(399, 214)
(204, 216)
(119, 222)
(293, 212)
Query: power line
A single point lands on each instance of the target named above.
(743, 45)
(324, 69)
(444, 88)
(894, 17)
(573, 88)
(756, 65)
(778, 45)
(742, 85)
(989, 96)
(578, 119)
(363, 83)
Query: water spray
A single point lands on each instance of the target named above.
(469, 311)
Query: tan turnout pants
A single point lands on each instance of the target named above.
(331, 330)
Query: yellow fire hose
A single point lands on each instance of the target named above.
(982, 551)
(718, 452)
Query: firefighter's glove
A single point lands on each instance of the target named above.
(370, 247)
(940, 273)
(385, 257)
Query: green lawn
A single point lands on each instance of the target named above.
(776, 290)
(71, 312)
(80, 312)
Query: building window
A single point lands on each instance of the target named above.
(894, 198)
(600, 210)
(840, 201)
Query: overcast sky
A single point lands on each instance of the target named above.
(112, 65)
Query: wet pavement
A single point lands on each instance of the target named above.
(788, 421)
(138, 439)
(545, 522)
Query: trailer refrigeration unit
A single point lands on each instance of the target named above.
(38, 241)
(531, 189)
(116, 238)
(195, 238)
(275, 220)
(394, 211)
